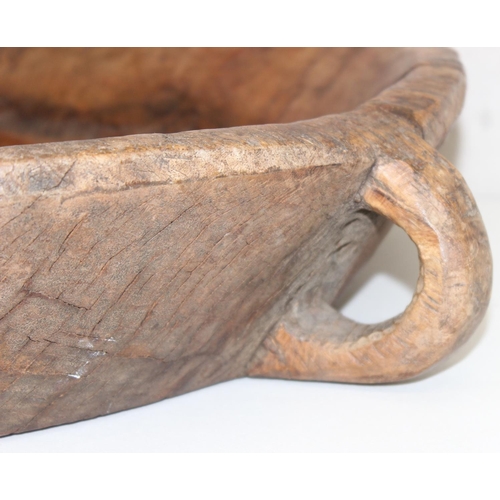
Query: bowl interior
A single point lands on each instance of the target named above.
(55, 94)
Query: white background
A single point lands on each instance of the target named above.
(454, 408)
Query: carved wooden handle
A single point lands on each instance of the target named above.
(436, 209)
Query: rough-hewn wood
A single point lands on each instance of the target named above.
(141, 267)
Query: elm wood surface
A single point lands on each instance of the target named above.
(141, 267)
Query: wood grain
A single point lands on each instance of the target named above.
(141, 267)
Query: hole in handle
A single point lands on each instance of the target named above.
(384, 286)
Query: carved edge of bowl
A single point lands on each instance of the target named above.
(426, 100)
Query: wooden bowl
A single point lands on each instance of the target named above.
(140, 267)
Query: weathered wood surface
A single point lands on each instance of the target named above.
(141, 267)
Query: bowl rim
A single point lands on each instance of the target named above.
(426, 100)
